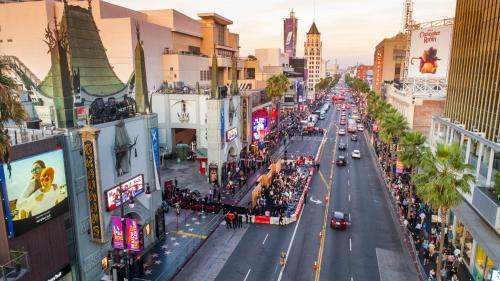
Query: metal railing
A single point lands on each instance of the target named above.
(16, 268)
(23, 135)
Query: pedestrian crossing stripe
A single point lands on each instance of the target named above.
(191, 234)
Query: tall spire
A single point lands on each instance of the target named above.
(214, 91)
(141, 82)
(313, 29)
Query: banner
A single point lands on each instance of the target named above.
(132, 235)
(156, 156)
(116, 223)
(430, 52)
(290, 36)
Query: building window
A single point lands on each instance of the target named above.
(220, 34)
(205, 75)
(194, 50)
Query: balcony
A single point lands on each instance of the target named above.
(485, 202)
(17, 267)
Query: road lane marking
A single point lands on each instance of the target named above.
(191, 234)
(248, 273)
(267, 234)
(348, 182)
(322, 239)
(350, 245)
(352, 279)
(323, 178)
(349, 196)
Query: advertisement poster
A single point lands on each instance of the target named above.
(231, 134)
(34, 191)
(430, 52)
(116, 223)
(156, 155)
(213, 173)
(290, 34)
(132, 234)
(244, 117)
(82, 115)
(133, 186)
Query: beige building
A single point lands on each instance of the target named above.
(313, 55)
(388, 61)
(417, 109)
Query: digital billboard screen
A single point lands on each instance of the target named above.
(259, 128)
(34, 191)
(430, 52)
(134, 186)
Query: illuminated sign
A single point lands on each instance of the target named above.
(116, 223)
(133, 186)
(94, 208)
(259, 128)
(132, 235)
(231, 134)
(244, 113)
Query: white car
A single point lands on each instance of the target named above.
(361, 128)
(356, 154)
(341, 132)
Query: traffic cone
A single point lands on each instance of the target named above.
(326, 199)
(315, 265)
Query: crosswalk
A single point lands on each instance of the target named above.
(307, 138)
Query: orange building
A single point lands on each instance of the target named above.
(362, 71)
(388, 60)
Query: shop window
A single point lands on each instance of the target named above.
(483, 265)
(467, 252)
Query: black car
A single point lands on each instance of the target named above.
(341, 161)
(342, 146)
(354, 138)
(358, 120)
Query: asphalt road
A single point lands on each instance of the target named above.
(370, 249)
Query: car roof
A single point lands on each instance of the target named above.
(356, 150)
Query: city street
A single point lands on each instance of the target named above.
(370, 248)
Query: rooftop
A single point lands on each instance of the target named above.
(218, 18)
(313, 29)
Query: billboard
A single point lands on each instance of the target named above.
(34, 191)
(116, 223)
(134, 186)
(231, 134)
(430, 52)
(290, 36)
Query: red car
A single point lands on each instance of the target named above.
(339, 220)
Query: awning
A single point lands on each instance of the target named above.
(122, 140)
(487, 237)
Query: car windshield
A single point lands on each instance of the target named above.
(340, 157)
(338, 215)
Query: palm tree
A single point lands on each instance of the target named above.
(276, 86)
(444, 175)
(412, 152)
(10, 111)
(392, 128)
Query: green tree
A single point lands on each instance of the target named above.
(444, 175)
(393, 127)
(10, 111)
(413, 149)
(276, 86)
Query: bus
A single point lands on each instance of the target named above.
(351, 126)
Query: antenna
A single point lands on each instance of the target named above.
(314, 10)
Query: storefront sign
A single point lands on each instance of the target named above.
(133, 186)
(94, 207)
(231, 134)
(132, 235)
(82, 115)
(116, 224)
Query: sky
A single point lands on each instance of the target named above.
(350, 29)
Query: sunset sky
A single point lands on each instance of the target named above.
(350, 29)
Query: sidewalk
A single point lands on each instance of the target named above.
(188, 232)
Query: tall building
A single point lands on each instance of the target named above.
(472, 120)
(290, 35)
(473, 88)
(388, 60)
(313, 54)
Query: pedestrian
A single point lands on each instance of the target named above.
(210, 195)
(175, 182)
(240, 220)
(218, 196)
(235, 220)
(228, 222)
(229, 217)
(280, 222)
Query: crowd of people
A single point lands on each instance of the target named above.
(281, 196)
(424, 227)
